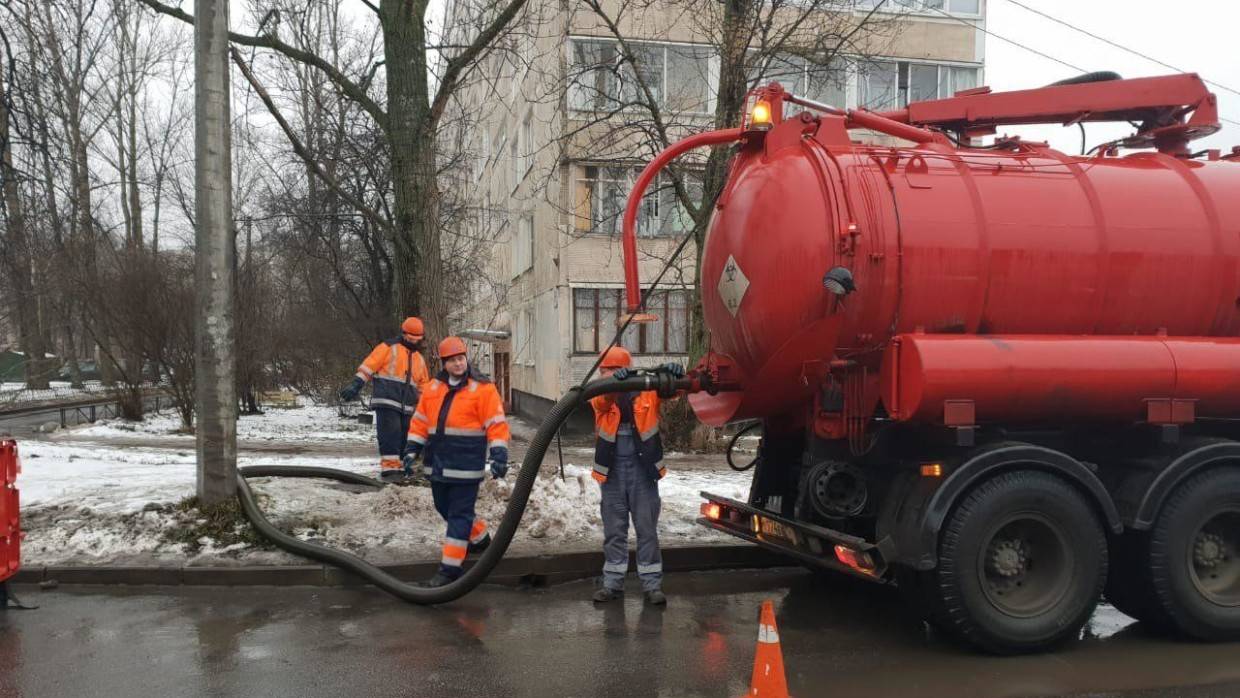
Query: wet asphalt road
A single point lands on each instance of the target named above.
(840, 638)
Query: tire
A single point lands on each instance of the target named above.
(1129, 588)
(1194, 556)
(1022, 564)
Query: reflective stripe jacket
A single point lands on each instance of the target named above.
(400, 376)
(456, 428)
(645, 427)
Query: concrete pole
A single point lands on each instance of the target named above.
(216, 253)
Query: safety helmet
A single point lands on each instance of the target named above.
(451, 346)
(616, 357)
(413, 326)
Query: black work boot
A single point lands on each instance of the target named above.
(392, 476)
(655, 597)
(604, 595)
(440, 579)
(475, 548)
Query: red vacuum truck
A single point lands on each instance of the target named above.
(1005, 378)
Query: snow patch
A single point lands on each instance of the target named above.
(92, 503)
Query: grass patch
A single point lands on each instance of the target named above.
(222, 524)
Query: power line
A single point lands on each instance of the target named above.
(1117, 45)
(1047, 56)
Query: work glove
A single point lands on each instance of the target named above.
(350, 392)
(498, 468)
(411, 457)
(673, 369)
(622, 373)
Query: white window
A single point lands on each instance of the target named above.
(922, 81)
(523, 245)
(678, 77)
(603, 192)
(876, 85)
(497, 157)
(527, 144)
(596, 314)
(954, 78)
(514, 155)
(959, 7)
(690, 80)
(821, 82)
(524, 339)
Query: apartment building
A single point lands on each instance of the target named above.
(557, 146)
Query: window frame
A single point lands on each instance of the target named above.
(596, 307)
(649, 227)
(712, 75)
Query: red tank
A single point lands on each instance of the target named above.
(1015, 239)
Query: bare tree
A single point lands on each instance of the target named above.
(409, 119)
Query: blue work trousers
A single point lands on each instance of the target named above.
(392, 429)
(455, 503)
(630, 492)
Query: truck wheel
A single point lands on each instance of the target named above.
(1128, 582)
(1022, 562)
(1195, 556)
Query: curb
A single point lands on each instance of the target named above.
(535, 570)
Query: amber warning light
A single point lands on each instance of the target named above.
(760, 117)
(711, 511)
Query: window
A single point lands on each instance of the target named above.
(678, 77)
(689, 79)
(498, 148)
(922, 81)
(603, 192)
(523, 245)
(514, 155)
(596, 312)
(527, 143)
(953, 79)
(827, 83)
(876, 85)
(594, 76)
(959, 7)
(523, 337)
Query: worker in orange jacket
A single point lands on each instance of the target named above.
(399, 373)
(459, 429)
(627, 455)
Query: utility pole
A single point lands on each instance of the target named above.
(216, 253)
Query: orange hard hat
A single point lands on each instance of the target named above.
(617, 357)
(451, 346)
(413, 326)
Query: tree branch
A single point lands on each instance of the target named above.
(350, 88)
(456, 67)
(300, 149)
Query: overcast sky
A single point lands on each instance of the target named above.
(1193, 35)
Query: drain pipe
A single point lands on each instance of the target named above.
(501, 537)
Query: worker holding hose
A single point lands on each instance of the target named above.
(400, 375)
(627, 457)
(459, 429)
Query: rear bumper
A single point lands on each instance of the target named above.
(810, 544)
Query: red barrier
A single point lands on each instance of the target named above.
(10, 521)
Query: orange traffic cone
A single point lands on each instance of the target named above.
(768, 662)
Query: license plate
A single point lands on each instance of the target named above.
(774, 529)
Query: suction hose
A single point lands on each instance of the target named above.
(502, 535)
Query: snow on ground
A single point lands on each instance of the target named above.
(14, 393)
(88, 502)
(294, 425)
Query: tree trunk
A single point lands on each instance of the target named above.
(215, 369)
(684, 430)
(416, 242)
(18, 255)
